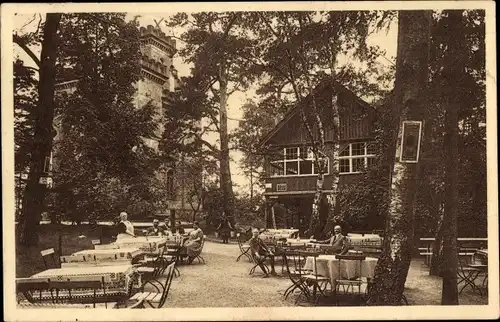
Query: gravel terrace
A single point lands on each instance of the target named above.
(223, 282)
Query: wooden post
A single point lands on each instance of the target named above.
(265, 214)
(273, 216)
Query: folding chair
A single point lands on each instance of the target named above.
(157, 298)
(50, 252)
(244, 249)
(467, 274)
(294, 263)
(317, 281)
(199, 257)
(349, 284)
(257, 262)
(154, 267)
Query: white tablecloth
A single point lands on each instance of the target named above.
(149, 244)
(116, 277)
(281, 233)
(328, 266)
(103, 255)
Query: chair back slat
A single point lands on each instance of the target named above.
(168, 283)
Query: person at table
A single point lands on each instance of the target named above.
(338, 242)
(168, 226)
(193, 244)
(156, 230)
(224, 229)
(125, 227)
(123, 231)
(259, 249)
(179, 229)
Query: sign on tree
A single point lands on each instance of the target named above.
(410, 144)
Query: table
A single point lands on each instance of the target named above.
(328, 266)
(281, 233)
(117, 278)
(148, 244)
(104, 256)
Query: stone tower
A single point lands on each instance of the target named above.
(158, 76)
(158, 70)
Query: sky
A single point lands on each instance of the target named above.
(386, 40)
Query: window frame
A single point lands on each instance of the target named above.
(310, 157)
(350, 157)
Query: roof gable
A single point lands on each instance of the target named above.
(344, 93)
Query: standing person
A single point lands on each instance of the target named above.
(125, 228)
(259, 249)
(156, 230)
(193, 244)
(224, 229)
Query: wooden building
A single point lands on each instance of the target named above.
(290, 172)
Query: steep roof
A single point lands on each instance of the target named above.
(323, 85)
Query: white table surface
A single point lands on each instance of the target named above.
(328, 266)
(133, 250)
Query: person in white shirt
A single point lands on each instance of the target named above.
(125, 227)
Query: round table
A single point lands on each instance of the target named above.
(328, 266)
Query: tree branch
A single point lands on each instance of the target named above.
(19, 40)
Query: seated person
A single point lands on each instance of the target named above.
(259, 249)
(156, 230)
(124, 228)
(338, 242)
(194, 244)
(179, 230)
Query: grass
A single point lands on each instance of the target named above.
(29, 260)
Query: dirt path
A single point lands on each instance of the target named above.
(223, 282)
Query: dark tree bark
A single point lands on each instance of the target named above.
(452, 73)
(411, 81)
(34, 194)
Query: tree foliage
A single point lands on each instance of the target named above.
(102, 131)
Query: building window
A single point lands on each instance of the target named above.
(296, 161)
(356, 157)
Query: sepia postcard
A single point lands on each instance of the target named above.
(224, 161)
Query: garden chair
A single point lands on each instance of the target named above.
(349, 285)
(313, 279)
(467, 274)
(294, 263)
(46, 254)
(244, 249)
(257, 262)
(198, 256)
(155, 299)
(153, 267)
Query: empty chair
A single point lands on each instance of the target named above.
(294, 263)
(349, 284)
(152, 299)
(313, 279)
(49, 258)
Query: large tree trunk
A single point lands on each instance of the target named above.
(456, 49)
(225, 170)
(411, 80)
(34, 194)
(436, 263)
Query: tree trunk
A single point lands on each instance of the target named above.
(225, 170)
(455, 66)
(411, 80)
(34, 194)
(437, 249)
